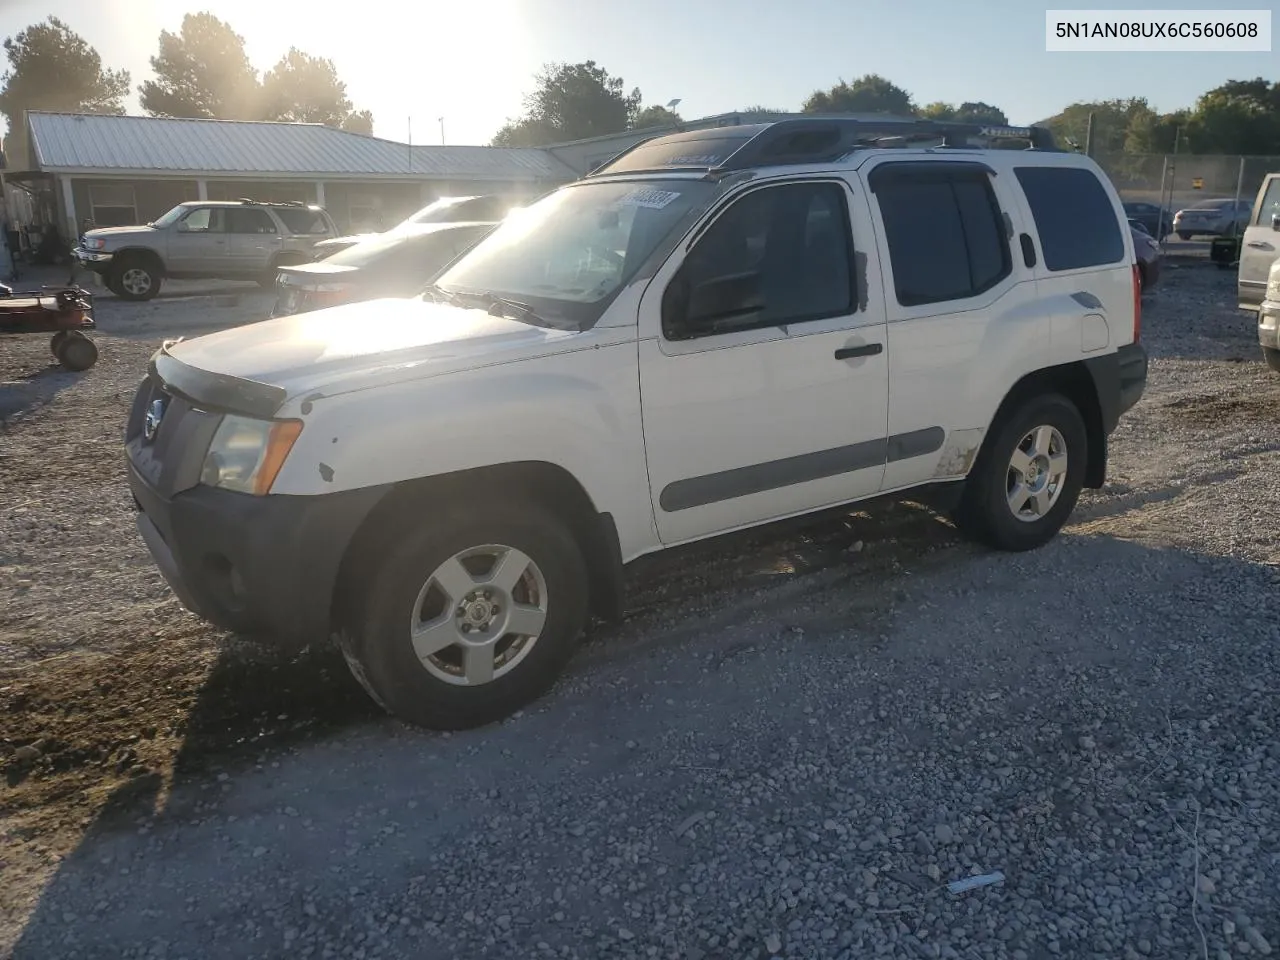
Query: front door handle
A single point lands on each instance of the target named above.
(866, 350)
(1258, 245)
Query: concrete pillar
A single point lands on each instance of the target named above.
(202, 189)
(69, 209)
(320, 193)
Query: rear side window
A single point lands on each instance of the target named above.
(301, 220)
(1078, 226)
(945, 232)
(1270, 206)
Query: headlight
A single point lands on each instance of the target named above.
(96, 243)
(246, 454)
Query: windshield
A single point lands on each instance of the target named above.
(569, 253)
(438, 211)
(173, 216)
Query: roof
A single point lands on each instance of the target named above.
(97, 143)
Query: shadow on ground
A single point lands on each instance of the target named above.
(390, 841)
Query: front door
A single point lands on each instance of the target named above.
(1261, 244)
(762, 363)
(197, 243)
(252, 240)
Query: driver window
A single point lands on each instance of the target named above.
(204, 220)
(779, 255)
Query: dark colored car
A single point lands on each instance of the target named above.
(1147, 251)
(1156, 220)
(398, 264)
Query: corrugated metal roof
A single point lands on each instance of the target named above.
(90, 142)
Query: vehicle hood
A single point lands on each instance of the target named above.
(364, 344)
(109, 233)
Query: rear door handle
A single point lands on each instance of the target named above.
(866, 350)
(1258, 245)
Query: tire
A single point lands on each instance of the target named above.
(403, 586)
(1183, 235)
(986, 512)
(268, 279)
(77, 352)
(56, 342)
(135, 279)
(1272, 358)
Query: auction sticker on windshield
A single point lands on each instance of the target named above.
(653, 199)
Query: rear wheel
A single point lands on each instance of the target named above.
(1272, 357)
(268, 279)
(1027, 479)
(468, 619)
(1183, 235)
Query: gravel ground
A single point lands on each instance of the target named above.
(793, 744)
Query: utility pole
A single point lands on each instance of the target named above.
(441, 119)
(1088, 137)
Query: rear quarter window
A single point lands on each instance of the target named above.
(1077, 224)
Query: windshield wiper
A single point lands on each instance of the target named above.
(437, 292)
(526, 312)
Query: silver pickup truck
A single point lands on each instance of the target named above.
(205, 239)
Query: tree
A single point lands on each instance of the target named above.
(301, 88)
(868, 94)
(761, 111)
(571, 102)
(655, 116)
(938, 110)
(1238, 117)
(1111, 122)
(201, 71)
(359, 121)
(51, 67)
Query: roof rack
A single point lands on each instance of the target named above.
(808, 140)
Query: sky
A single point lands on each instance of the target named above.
(472, 61)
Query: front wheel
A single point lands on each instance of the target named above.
(1272, 358)
(135, 279)
(1027, 479)
(466, 620)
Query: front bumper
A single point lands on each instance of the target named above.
(264, 567)
(96, 260)
(1269, 324)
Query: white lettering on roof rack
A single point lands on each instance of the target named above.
(693, 161)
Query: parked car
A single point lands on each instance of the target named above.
(1147, 252)
(397, 264)
(1269, 319)
(1156, 220)
(1212, 218)
(1260, 244)
(489, 208)
(203, 239)
(681, 344)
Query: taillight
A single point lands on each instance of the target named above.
(1137, 302)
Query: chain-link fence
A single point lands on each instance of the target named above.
(1173, 183)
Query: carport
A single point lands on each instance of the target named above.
(118, 170)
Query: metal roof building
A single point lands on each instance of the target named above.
(86, 143)
(109, 170)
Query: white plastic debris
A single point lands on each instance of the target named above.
(969, 883)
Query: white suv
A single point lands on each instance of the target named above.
(717, 329)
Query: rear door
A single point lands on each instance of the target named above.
(1261, 244)
(252, 240)
(962, 323)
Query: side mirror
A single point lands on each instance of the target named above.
(182, 227)
(698, 310)
(1275, 221)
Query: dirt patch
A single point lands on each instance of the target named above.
(78, 726)
(1212, 409)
